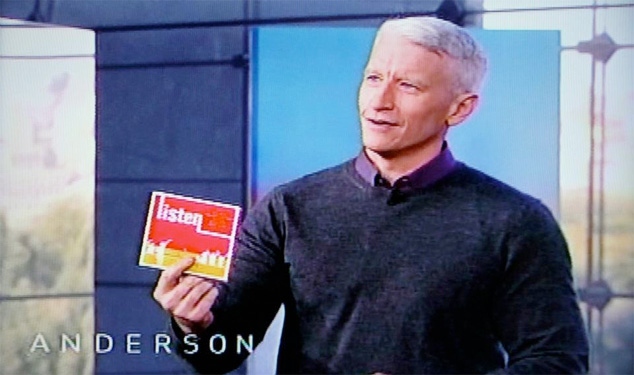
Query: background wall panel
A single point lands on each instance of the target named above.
(154, 46)
(174, 123)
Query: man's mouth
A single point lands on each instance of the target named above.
(381, 122)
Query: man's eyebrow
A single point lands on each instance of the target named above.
(413, 78)
(409, 77)
(416, 81)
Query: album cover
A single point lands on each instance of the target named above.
(178, 226)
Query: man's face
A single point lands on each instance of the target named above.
(405, 97)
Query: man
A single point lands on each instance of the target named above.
(401, 260)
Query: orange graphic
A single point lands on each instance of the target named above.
(179, 227)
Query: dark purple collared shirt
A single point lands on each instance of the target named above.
(423, 176)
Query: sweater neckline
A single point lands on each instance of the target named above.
(357, 180)
(353, 175)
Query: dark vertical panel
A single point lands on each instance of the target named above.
(156, 46)
(170, 123)
(171, 117)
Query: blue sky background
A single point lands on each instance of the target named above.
(305, 83)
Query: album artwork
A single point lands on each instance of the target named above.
(178, 226)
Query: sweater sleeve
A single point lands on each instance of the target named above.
(249, 300)
(536, 315)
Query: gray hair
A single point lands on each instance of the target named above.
(441, 36)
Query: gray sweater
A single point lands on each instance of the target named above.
(466, 275)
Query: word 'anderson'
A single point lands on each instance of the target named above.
(104, 343)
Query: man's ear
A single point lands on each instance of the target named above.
(462, 106)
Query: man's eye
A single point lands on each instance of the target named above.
(408, 85)
(372, 78)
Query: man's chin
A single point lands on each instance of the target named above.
(377, 144)
(383, 151)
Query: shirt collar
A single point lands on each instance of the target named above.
(423, 176)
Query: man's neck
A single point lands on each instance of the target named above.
(392, 166)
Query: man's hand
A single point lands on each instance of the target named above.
(187, 298)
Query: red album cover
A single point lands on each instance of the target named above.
(179, 226)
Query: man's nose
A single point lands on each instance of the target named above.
(383, 97)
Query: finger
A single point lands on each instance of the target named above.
(207, 319)
(171, 299)
(201, 313)
(191, 278)
(189, 326)
(186, 276)
(194, 295)
(171, 275)
(209, 298)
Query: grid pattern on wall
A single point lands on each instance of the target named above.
(597, 149)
